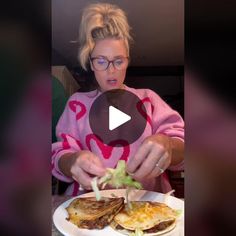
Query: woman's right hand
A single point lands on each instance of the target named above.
(83, 166)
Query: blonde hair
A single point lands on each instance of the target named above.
(100, 21)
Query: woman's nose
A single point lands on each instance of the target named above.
(111, 68)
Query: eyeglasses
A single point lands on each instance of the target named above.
(102, 63)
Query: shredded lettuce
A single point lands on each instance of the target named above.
(129, 205)
(95, 188)
(138, 232)
(178, 212)
(116, 178)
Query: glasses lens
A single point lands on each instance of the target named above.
(100, 63)
(120, 63)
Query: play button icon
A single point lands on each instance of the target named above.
(117, 118)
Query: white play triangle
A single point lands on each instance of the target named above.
(117, 118)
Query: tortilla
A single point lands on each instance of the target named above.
(153, 218)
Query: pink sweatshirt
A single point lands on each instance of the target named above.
(74, 134)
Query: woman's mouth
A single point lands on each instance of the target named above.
(112, 82)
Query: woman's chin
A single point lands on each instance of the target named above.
(111, 87)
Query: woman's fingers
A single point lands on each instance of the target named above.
(97, 161)
(148, 164)
(160, 166)
(85, 167)
(138, 158)
(91, 168)
(90, 163)
(83, 179)
(151, 159)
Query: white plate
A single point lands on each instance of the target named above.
(69, 229)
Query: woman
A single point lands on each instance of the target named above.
(104, 46)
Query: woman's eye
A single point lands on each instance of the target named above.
(101, 61)
(118, 62)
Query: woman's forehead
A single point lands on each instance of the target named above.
(110, 48)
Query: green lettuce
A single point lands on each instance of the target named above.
(116, 178)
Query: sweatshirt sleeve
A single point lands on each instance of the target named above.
(166, 121)
(67, 138)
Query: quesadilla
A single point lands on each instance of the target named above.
(153, 218)
(89, 213)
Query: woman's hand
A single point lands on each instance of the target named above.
(152, 158)
(82, 167)
(86, 166)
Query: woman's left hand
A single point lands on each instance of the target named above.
(152, 158)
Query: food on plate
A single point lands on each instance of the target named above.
(152, 218)
(137, 232)
(89, 213)
(134, 218)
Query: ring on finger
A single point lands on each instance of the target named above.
(81, 188)
(161, 170)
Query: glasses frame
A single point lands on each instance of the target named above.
(109, 62)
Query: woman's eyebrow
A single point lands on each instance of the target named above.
(99, 56)
(119, 56)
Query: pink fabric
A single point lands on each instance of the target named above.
(74, 134)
